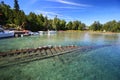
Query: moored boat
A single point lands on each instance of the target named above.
(6, 33)
(41, 32)
(51, 32)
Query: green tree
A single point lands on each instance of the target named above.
(45, 24)
(54, 24)
(32, 22)
(2, 15)
(69, 25)
(112, 26)
(75, 25)
(118, 26)
(57, 23)
(96, 26)
(40, 22)
(8, 14)
(50, 23)
(62, 25)
(16, 5)
(81, 26)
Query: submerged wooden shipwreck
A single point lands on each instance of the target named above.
(32, 54)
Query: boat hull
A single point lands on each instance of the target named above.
(6, 34)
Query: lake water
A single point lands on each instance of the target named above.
(95, 64)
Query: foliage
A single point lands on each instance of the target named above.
(10, 16)
(96, 26)
(75, 25)
(69, 25)
(5, 13)
(112, 26)
(16, 5)
(16, 18)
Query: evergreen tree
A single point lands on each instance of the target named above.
(16, 5)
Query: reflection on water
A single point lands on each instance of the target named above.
(95, 64)
(62, 38)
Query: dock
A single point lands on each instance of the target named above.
(21, 33)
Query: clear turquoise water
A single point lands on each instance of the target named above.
(95, 64)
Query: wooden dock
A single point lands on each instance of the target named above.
(21, 33)
(14, 57)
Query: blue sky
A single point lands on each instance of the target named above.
(87, 11)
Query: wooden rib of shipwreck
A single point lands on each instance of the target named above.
(32, 54)
(27, 55)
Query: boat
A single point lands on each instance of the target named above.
(41, 32)
(51, 32)
(6, 33)
(35, 33)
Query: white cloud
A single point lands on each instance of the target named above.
(70, 3)
(51, 15)
(64, 7)
(47, 13)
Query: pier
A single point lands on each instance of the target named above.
(21, 33)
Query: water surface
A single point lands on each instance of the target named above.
(95, 64)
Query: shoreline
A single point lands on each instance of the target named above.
(92, 31)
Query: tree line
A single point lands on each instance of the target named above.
(111, 26)
(16, 18)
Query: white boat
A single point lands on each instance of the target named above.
(6, 33)
(41, 32)
(35, 33)
(52, 32)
